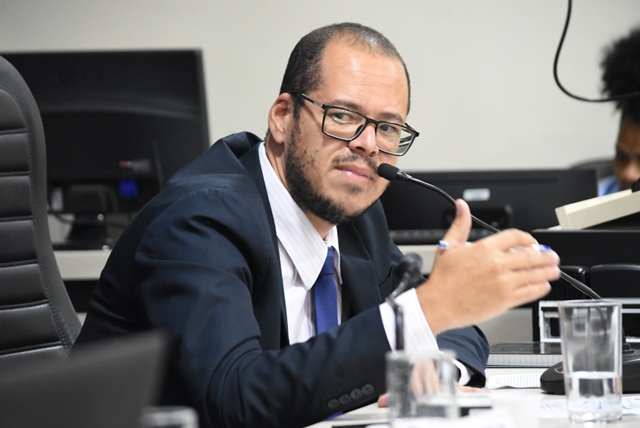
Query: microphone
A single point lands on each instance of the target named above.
(410, 272)
(391, 173)
(552, 380)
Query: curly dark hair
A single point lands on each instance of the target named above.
(302, 72)
(621, 73)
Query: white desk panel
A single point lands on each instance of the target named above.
(427, 252)
(87, 264)
(81, 265)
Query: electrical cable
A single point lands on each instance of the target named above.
(557, 79)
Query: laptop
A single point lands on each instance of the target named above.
(101, 385)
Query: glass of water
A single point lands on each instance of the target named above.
(591, 338)
(421, 386)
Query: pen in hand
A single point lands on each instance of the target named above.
(445, 245)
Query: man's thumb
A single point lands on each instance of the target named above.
(459, 230)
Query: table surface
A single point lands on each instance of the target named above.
(372, 414)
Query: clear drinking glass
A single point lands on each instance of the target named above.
(591, 337)
(421, 386)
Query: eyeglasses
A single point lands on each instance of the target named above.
(346, 125)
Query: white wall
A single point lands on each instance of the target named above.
(483, 90)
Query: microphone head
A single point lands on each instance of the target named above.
(411, 263)
(388, 171)
(409, 271)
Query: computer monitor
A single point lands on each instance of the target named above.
(523, 199)
(117, 125)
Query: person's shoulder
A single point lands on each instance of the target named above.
(212, 182)
(608, 185)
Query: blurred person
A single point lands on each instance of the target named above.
(620, 76)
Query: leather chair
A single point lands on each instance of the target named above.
(37, 320)
(619, 280)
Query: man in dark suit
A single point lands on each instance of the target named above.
(225, 258)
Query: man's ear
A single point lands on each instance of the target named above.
(281, 118)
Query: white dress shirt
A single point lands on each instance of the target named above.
(302, 254)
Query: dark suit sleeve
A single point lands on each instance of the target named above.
(471, 348)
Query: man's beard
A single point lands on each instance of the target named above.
(301, 189)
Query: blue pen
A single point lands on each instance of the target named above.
(445, 245)
(538, 247)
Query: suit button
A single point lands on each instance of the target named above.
(367, 389)
(356, 394)
(332, 404)
(345, 399)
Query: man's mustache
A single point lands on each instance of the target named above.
(355, 158)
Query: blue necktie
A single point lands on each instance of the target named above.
(325, 296)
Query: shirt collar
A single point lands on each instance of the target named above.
(305, 247)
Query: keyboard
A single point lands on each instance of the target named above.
(429, 236)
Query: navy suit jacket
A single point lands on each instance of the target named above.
(201, 262)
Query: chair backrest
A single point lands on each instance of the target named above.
(37, 319)
(616, 280)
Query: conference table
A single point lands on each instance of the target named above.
(552, 412)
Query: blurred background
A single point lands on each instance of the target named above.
(483, 90)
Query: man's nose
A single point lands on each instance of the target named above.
(629, 175)
(367, 140)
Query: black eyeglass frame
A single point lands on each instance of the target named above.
(367, 120)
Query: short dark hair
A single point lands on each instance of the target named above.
(303, 69)
(621, 73)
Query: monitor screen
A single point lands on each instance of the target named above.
(523, 199)
(118, 124)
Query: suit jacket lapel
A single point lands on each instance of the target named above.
(251, 161)
(359, 292)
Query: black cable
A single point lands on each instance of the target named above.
(555, 70)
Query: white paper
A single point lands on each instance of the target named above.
(558, 408)
(521, 380)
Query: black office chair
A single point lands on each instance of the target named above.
(616, 280)
(37, 319)
(619, 280)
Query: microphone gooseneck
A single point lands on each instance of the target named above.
(410, 272)
(391, 173)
